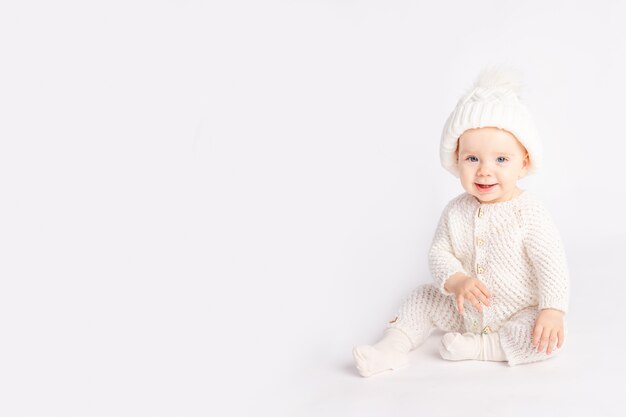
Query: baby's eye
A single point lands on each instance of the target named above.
(471, 158)
(501, 159)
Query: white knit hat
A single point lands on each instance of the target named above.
(493, 101)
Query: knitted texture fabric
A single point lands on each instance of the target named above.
(494, 101)
(516, 338)
(513, 247)
(426, 308)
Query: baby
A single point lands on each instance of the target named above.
(501, 282)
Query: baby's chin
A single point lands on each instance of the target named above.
(490, 198)
(483, 198)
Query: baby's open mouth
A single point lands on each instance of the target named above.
(485, 186)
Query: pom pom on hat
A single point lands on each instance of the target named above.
(500, 78)
(494, 100)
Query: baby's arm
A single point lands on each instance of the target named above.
(545, 250)
(441, 259)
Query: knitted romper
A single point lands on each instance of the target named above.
(515, 249)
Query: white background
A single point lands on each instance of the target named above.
(205, 205)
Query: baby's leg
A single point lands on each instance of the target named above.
(424, 310)
(516, 338)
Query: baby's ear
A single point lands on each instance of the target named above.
(525, 165)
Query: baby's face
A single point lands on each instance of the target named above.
(491, 161)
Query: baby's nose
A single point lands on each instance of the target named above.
(483, 171)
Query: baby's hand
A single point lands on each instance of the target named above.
(473, 289)
(548, 328)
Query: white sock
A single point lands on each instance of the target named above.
(484, 347)
(391, 352)
(492, 349)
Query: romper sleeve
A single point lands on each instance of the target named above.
(441, 258)
(545, 250)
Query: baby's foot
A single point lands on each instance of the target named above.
(391, 352)
(458, 347)
(370, 360)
